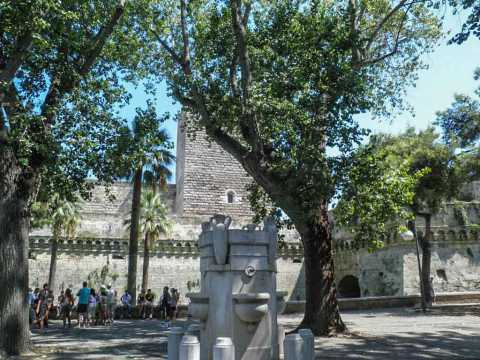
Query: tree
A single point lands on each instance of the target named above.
(439, 172)
(460, 123)
(63, 217)
(472, 24)
(375, 197)
(277, 84)
(153, 224)
(64, 67)
(142, 152)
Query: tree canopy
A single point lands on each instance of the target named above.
(278, 83)
(64, 70)
(398, 178)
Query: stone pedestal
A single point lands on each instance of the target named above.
(174, 338)
(238, 297)
(189, 348)
(224, 349)
(293, 347)
(308, 344)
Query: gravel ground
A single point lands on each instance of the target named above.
(403, 334)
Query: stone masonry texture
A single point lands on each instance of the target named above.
(204, 177)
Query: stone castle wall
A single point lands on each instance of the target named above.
(173, 263)
(393, 270)
(205, 176)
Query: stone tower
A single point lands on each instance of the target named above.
(208, 179)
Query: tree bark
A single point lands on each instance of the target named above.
(322, 313)
(16, 191)
(53, 264)
(427, 259)
(146, 262)
(133, 244)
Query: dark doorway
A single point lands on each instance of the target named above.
(348, 287)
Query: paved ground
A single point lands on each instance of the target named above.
(401, 334)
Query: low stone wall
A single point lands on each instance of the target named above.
(381, 302)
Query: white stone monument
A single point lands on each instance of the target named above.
(238, 297)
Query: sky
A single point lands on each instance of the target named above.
(450, 72)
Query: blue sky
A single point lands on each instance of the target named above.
(450, 71)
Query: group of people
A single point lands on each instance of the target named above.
(146, 299)
(97, 307)
(94, 307)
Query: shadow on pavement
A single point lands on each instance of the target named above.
(408, 346)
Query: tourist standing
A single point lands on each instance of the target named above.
(175, 297)
(67, 305)
(82, 309)
(60, 300)
(31, 310)
(50, 299)
(92, 306)
(165, 303)
(41, 309)
(102, 305)
(126, 300)
(111, 303)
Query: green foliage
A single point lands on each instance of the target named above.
(147, 146)
(461, 122)
(64, 71)
(396, 178)
(59, 213)
(460, 213)
(376, 196)
(153, 217)
(101, 276)
(277, 83)
(446, 169)
(472, 24)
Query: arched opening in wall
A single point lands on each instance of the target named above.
(349, 287)
(230, 197)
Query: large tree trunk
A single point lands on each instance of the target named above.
(146, 262)
(16, 191)
(133, 244)
(53, 264)
(427, 259)
(322, 313)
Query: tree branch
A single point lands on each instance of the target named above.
(382, 23)
(186, 44)
(16, 59)
(354, 32)
(233, 75)
(101, 38)
(170, 51)
(63, 83)
(239, 29)
(397, 41)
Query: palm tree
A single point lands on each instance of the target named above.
(63, 216)
(144, 154)
(153, 224)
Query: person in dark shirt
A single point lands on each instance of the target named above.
(141, 303)
(149, 298)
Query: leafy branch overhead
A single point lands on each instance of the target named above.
(396, 178)
(64, 70)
